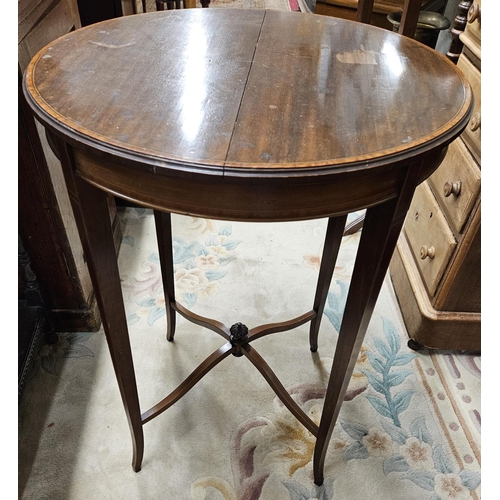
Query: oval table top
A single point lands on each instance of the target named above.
(236, 92)
(253, 116)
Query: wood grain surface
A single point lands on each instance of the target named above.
(247, 89)
(253, 116)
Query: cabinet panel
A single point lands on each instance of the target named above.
(456, 184)
(473, 28)
(429, 236)
(46, 220)
(58, 21)
(472, 134)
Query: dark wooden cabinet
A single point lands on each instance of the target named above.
(46, 222)
(94, 11)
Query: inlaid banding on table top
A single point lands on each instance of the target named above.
(194, 92)
(150, 86)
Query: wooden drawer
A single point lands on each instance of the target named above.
(472, 134)
(456, 184)
(426, 228)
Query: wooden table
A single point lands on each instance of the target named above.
(245, 115)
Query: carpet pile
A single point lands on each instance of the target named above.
(409, 427)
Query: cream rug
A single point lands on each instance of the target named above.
(409, 427)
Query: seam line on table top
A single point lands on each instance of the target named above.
(243, 94)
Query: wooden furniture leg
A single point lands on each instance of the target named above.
(163, 221)
(90, 206)
(333, 239)
(383, 223)
(458, 27)
(409, 18)
(355, 225)
(364, 11)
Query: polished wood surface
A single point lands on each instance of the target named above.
(237, 121)
(300, 108)
(199, 111)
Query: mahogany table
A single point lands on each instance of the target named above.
(245, 115)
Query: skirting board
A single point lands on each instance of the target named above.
(427, 326)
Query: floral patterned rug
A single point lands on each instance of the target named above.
(409, 427)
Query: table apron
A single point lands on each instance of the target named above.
(249, 199)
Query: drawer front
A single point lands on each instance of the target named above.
(429, 236)
(456, 184)
(473, 27)
(472, 134)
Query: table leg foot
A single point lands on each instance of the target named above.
(163, 222)
(367, 279)
(90, 206)
(319, 481)
(414, 345)
(382, 223)
(334, 233)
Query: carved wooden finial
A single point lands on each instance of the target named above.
(239, 336)
(459, 24)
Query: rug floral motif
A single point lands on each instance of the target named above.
(404, 449)
(393, 433)
(409, 426)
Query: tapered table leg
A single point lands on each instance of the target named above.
(90, 207)
(381, 230)
(163, 221)
(333, 239)
(103, 267)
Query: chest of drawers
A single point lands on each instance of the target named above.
(436, 268)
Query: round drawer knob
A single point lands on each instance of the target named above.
(426, 251)
(473, 13)
(475, 121)
(452, 188)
